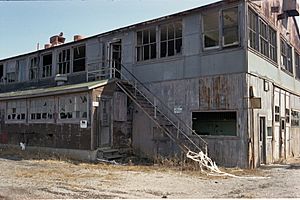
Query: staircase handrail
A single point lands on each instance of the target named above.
(162, 103)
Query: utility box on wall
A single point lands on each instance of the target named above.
(291, 7)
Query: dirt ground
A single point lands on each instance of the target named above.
(27, 176)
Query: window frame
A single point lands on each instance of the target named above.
(263, 40)
(63, 63)
(273, 46)
(255, 32)
(73, 59)
(297, 64)
(174, 39)
(74, 106)
(48, 68)
(288, 55)
(238, 42)
(203, 32)
(140, 48)
(219, 111)
(18, 107)
(34, 103)
(33, 69)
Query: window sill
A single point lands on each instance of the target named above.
(263, 56)
(220, 137)
(287, 72)
(206, 51)
(159, 60)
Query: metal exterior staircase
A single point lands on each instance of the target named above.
(164, 118)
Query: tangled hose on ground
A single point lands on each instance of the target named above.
(207, 163)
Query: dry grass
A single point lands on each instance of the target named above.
(162, 165)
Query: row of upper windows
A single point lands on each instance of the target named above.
(43, 109)
(220, 30)
(263, 38)
(42, 67)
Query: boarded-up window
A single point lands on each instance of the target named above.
(47, 66)
(171, 39)
(41, 109)
(73, 107)
(33, 68)
(16, 110)
(146, 44)
(215, 123)
(79, 58)
(64, 61)
(211, 29)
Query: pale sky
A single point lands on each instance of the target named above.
(23, 24)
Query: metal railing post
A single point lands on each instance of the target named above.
(135, 87)
(155, 108)
(178, 130)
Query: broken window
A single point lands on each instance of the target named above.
(16, 110)
(273, 44)
(286, 56)
(230, 27)
(64, 61)
(1, 73)
(263, 38)
(252, 29)
(297, 65)
(22, 70)
(79, 58)
(33, 68)
(295, 118)
(41, 108)
(73, 107)
(11, 77)
(215, 123)
(211, 29)
(171, 39)
(47, 66)
(146, 44)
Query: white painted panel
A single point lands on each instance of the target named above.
(276, 143)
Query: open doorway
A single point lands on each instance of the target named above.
(115, 57)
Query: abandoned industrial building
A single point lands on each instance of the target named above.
(223, 78)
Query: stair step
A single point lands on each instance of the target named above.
(113, 157)
(109, 151)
